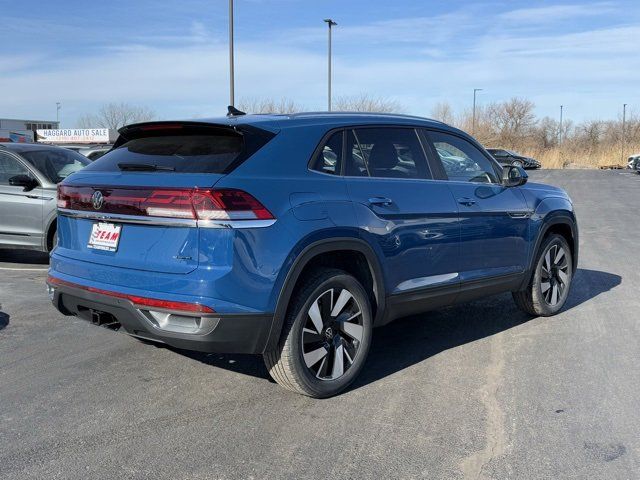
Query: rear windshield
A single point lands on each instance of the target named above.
(55, 164)
(177, 153)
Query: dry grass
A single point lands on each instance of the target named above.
(575, 156)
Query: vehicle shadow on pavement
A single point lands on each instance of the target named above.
(24, 257)
(413, 339)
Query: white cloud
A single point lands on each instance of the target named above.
(552, 13)
(435, 29)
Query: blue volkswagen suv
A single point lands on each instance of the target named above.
(292, 236)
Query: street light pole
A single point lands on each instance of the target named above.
(231, 73)
(473, 121)
(58, 107)
(331, 24)
(624, 121)
(560, 132)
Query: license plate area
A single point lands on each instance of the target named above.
(105, 236)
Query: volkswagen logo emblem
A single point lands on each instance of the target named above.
(97, 200)
(328, 333)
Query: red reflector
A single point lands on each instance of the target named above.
(136, 300)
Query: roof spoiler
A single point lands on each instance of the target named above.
(163, 127)
(155, 128)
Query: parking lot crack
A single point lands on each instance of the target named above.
(473, 466)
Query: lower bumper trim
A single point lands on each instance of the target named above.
(229, 333)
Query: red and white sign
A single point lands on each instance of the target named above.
(105, 236)
(76, 135)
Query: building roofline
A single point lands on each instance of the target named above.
(29, 120)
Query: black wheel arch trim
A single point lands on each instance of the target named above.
(302, 260)
(553, 218)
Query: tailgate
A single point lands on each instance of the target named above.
(149, 243)
(149, 192)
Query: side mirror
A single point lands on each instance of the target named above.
(514, 176)
(25, 181)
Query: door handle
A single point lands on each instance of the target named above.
(469, 202)
(385, 202)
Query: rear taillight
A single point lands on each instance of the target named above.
(168, 203)
(196, 204)
(62, 197)
(228, 204)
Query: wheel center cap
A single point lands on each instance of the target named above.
(328, 333)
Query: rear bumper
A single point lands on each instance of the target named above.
(212, 332)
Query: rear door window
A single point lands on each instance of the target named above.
(356, 165)
(386, 152)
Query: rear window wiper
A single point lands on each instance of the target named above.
(144, 167)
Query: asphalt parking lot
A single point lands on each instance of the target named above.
(473, 391)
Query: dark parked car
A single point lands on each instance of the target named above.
(292, 236)
(633, 162)
(509, 157)
(29, 173)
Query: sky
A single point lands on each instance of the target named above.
(172, 55)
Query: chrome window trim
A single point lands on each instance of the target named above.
(164, 222)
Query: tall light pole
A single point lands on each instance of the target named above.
(58, 107)
(624, 121)
(331, 24)
(231, 75)
(560, 132)
(473, 120)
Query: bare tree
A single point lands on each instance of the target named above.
(442, 111)
(513, 120)
(268, 105)
(87, 121)
(590, 133)
(485, 131)
(548, 132)
(116, 115)
(367, 103)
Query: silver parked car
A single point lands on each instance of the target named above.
(29, 173)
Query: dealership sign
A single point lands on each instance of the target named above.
(76, 135)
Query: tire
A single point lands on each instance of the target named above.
(517, 163)
(325, 337)
(52, 241)
(539, 297)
